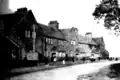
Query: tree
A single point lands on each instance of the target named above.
(109, 10)
(105, 54)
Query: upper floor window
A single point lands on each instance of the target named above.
(49, 40)
(27, 34)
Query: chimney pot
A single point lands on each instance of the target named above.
(24, 9)
(54, 24)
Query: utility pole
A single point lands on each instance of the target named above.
(34, 37)
(34, 53)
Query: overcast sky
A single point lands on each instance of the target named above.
(69, 13)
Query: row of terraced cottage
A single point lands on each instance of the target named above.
(25, 38)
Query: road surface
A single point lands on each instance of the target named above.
(66, 73)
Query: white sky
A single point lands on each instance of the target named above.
(69, 13)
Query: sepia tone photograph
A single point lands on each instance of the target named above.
(60, 39)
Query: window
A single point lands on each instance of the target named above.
(73, 42)
(46, 39)
(27, 34)
(49, 41)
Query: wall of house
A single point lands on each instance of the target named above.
(72, 40)
(39, 44)
(54, 46)
(85, 49)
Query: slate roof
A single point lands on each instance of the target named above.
(5, 40)
(79, 38)
(50, 32)
(70, 35)
(99, 40)
(12, 19)
(85, 40)
(9, 20)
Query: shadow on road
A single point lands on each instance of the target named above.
(114, 70)
(111, 72)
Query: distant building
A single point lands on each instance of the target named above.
(86, 45)
(88, 34)
(78, 44)
(101, 47)
(72, 40)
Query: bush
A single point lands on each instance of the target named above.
(92, 60)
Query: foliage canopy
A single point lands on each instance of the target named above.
(109, 10)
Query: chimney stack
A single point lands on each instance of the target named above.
(73, 29)
(54, 24)
(88, 35)
(22, 10)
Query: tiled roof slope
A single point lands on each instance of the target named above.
(86, 40)
(50, 32)
(12, 19)
(99, 41)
